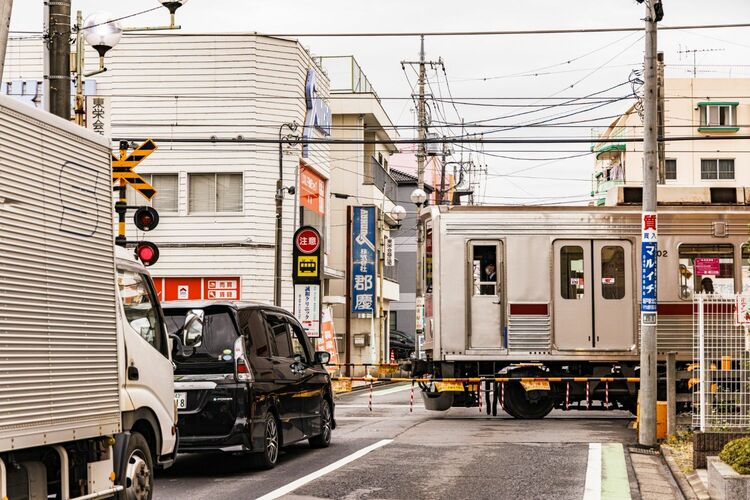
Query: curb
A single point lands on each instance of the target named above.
(690, 485)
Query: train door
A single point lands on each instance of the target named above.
(573, 306)
(613, 296)
(593, 302)
(485, 270)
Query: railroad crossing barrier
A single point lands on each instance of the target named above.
(474, 384)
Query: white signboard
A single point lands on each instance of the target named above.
(390, 252)
(743, 309)
(183, 292)
(307, 308)
(420, 314)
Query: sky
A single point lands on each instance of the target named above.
(507, 71)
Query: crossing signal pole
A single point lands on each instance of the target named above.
(649, 225)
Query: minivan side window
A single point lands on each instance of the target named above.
(277, 325)
(138, 302)
(254, 328)
(298, 342)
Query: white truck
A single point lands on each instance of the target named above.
(86, 394)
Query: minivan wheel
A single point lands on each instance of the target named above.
(268, 457)
(323, 439)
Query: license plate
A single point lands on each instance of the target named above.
(535, 385)
(181, 399)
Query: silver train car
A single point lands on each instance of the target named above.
(555, 291)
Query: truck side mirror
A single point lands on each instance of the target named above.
(192, 330)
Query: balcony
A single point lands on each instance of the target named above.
(376, 175)
(611, 149)
(345, 75)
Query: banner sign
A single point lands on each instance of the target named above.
(307, 308)
(363, 260)
(390, 252)
(327, 340)
(648, 269)
(312, 190)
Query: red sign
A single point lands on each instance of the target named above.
(649, 222)
(312, 190)
(707, 266)
(198, 288)
(308, 241)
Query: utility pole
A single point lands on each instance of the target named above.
(421, 153)
(57, 80)
(5, 7)
(660, 113)
(648, 375)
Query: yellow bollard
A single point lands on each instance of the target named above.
(661, 420)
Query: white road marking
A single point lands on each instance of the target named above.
(325, 470)
(593, 488)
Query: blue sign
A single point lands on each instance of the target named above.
(363, 260)
(318, 114)
(648, 276)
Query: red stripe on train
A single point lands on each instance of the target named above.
(690, 309)
(529, 309)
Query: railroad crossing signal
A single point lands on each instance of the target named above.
(122, 168)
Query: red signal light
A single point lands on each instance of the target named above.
(146, 218)
(147, 253)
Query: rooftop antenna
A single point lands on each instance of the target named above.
(687, 51)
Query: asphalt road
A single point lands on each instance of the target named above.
(391, 453)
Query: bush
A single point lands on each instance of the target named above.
(736, 453)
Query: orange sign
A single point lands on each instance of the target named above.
(198, 288)
(312, 190)
(327, 340)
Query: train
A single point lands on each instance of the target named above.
(554, 291)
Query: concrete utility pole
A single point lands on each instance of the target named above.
(5, 7)
(57, 100)
(648, 375)
(421, 154)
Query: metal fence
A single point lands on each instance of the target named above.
(721, 372)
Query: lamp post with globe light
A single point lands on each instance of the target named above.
(419, 198)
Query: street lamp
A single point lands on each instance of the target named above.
(398, 214)
(418, 197)
(279, 210)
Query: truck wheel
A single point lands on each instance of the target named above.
(518, 404)
(267, 458)
(139, 470)
(323, 439)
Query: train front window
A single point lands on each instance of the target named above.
(571, 272)
(613, 273)
(746, 268)
(706, 269)
(484, 269)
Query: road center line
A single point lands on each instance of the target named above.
(325, 470)
(593, 487)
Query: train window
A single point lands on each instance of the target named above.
(484, 269)
(746, 268)
(613, 273)
(571, 272)
(706, 269)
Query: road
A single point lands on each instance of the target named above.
(461, 453)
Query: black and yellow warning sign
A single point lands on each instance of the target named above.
(122, 168)
(307, 266)
(307, 256)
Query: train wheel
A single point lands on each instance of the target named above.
(527, 405)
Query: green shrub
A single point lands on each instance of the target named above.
(736, 453)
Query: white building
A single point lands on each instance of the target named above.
(216, 200)
(707, 170)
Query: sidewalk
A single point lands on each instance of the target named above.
(654, 480)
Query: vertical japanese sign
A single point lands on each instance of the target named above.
(307, 308)
(648, 269)
(363, 260)
(327, 340)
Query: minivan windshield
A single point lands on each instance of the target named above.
(213, 348)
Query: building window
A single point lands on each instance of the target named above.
(718, 115)
(215, 193)
(670, 170)
(166, 193)
(717, 170)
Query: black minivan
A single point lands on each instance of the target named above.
(247, 379)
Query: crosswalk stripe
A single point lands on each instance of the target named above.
(593, 487)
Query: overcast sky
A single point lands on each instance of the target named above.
(499, 66)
